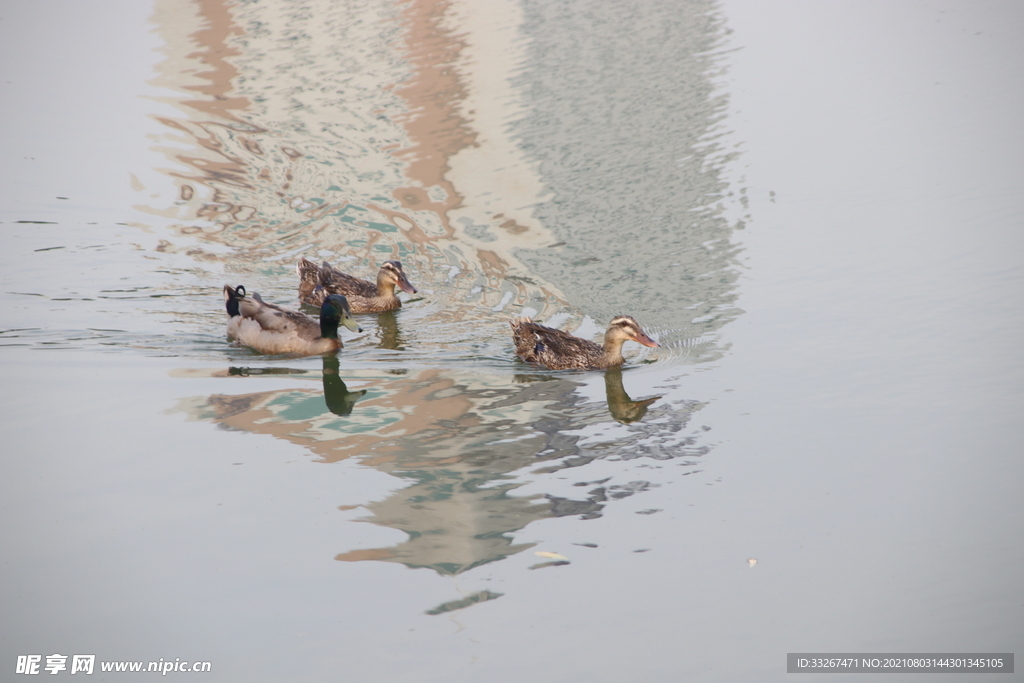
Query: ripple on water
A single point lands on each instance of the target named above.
(539, 208)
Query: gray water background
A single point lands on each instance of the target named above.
(815, 208)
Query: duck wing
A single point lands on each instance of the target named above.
(337, 282)
(274, 318)
(556, 349)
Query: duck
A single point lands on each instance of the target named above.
(273, 329)
(316, 282)
(558, 350)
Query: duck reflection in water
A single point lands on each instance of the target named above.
(620, 405)
(338, 398)
(245, 371)
(389, 333)
(462, 443)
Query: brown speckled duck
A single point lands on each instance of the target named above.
(316, 282)
(560, 350)
(269, 328)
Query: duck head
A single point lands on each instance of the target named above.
(625, 328)
(392, 273)
(335, 311)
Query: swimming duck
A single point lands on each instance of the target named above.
(316, 282)
(560, 350)
(269, 328)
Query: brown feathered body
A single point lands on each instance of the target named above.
(560, 350)
(317, 282)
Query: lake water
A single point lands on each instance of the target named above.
(815, 208)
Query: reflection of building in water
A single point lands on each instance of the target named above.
(511, 160)
(624, 125)
(329, 130)
(462, 441)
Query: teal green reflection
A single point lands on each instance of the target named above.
(464, 442)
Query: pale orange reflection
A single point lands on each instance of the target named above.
(456, 440)
(434, 122)
(341, 144)
(216, 52)
(461, 442)
(403, 421)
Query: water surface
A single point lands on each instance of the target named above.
(821, 455)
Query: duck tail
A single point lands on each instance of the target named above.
(232, 295)
(324, 274)
(307, 270)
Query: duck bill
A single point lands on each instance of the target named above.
(406, 286)
(642, 338)
(348, 321)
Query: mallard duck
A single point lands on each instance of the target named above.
(316, 282)
(560, 350)
(269, 328)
